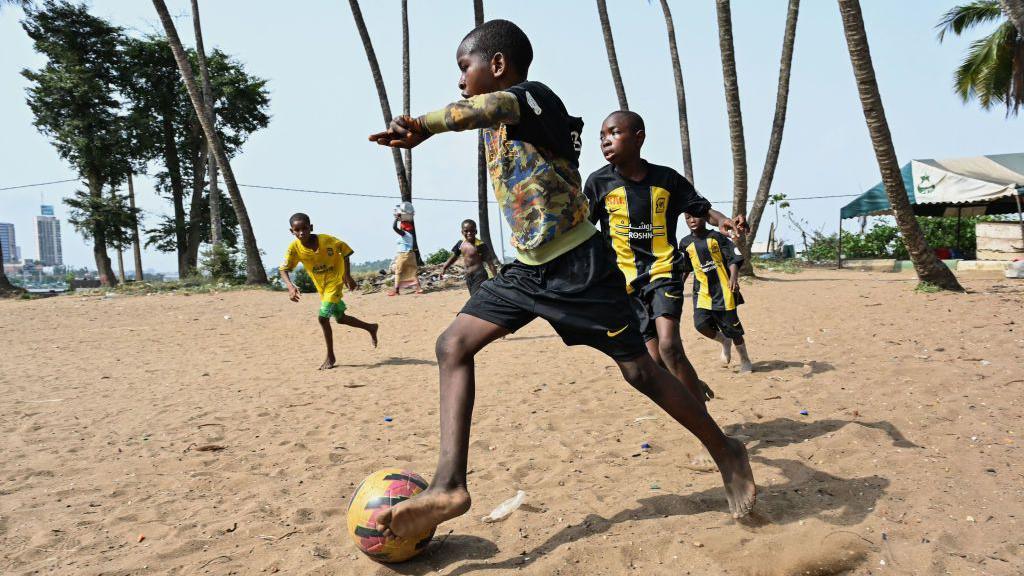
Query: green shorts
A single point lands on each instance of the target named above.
(335, 309)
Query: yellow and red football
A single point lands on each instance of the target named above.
(374, 496)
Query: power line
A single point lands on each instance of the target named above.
(40, 184)
(418, 199)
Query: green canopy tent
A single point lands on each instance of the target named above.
(971, 186)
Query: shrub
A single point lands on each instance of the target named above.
(224, 264)
(439, 257)
(302, 281)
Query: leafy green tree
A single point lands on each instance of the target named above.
(169, 131)
(993, 69)
(75, 103)
(439, 257)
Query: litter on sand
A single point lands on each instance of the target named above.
(506, 508)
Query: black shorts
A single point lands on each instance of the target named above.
(660, 298)
(475, 279)
(582, 294)
(725, 321)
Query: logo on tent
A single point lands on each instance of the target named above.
(922, 189)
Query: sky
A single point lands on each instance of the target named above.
(323, 105)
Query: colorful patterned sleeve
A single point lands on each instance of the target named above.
(483, 111)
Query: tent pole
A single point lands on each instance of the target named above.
(958, 228)
(839, 247)
(1020, 218)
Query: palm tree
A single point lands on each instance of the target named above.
(684, 125)
(732, 102)
(775, 141)
(216, 236)
(929, 269)
(382, 95)
(482, 198)
(254, 271)
(1015, 11)
(613, 62)
(993, 70)
(406, 95)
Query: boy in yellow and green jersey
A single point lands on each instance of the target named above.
(326, 260)
(564, 272)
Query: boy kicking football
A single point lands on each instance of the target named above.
(564, 272)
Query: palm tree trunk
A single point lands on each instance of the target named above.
(407, 110)
(254, 271)
(482, 197)
(775, 142)
(684, 125)
(1014, 10)
(732, 101)
(928, 267)
(136, 245)
(211, 160)
(613, 62)
(382, 95)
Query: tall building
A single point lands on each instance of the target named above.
(48, 238)
(7, 244)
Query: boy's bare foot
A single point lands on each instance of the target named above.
(418, 515)
(740, 489)
(373, 334)
(328, 363)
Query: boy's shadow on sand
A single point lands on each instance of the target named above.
(392, 361)
(816, 367)
(807, 493)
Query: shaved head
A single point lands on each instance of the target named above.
(630, 118)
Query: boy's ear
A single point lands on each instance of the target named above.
(498, 65)
(641, 136)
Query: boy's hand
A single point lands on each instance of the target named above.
(293, 293)
(734, 283)
(733, 227)
(402, 132)
(350, 282)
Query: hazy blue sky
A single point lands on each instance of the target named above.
(323, 105)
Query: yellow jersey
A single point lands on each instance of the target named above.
(325, 265)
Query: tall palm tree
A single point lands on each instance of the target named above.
(993, 71)
(382, 95)
(216, 234)
(406, 95)
(775, 141)
(482, 198)
(136, 245)
(732, 103)
(684, 125)
(613, 62)
(928, 267)
(1015, 11)
(254, 271)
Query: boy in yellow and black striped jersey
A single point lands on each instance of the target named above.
(715, 263)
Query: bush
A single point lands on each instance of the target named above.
(224, 264)
(883, 240)
(439, 257)
(302, 281)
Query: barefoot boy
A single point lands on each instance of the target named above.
(564, 272)
(638, 205)
(325, 259)
(716, 291)
(475, 254)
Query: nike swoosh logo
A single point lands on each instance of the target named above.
(617, 332)
(672, 296)
(614, 211)
(736, 324)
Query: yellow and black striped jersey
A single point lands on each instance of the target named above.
(640, 219)
(708, 257)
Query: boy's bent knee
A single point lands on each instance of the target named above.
(450, 347)
(639, 372)
(669, 351)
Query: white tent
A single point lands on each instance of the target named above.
(968, 182)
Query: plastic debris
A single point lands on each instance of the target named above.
(642, 418)
(227, 317)
(804, 413)
(645, 446)
(388, 418)
(506, 508)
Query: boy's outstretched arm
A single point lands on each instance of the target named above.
(448, 264)
(731, 227)
(293, 292)
(483, 111)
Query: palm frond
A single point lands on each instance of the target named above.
(964, 17)
(993, 70)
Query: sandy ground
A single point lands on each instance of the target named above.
(906, 462)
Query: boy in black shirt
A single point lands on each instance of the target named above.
(564, 272)
(715, 263)
(475, 255)
(638, 205)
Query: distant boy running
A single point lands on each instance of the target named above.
(716, 291)
(638, 205)
(564, 273)
(475, 254)
(325, 259)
